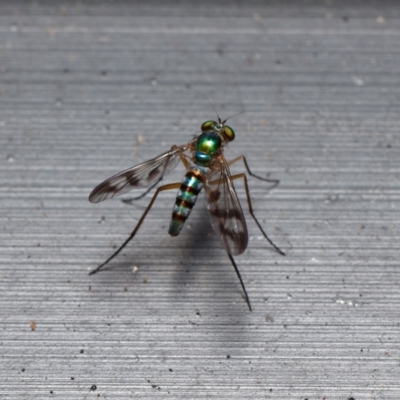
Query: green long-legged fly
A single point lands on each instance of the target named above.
(206, 167)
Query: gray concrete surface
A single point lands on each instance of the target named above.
(89, 89)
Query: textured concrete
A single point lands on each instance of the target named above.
(89, 89)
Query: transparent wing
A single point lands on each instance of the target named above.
(225, 211)
(140, 176)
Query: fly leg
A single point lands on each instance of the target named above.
(240, 280)
(243, 158)
(132, 235)
(243, 175)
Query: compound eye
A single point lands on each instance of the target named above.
(229, 133)
(208, 125)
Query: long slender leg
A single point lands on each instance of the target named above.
(132, 235)
(241, 281)
(243, 158)
(243, 175)
(131, 200)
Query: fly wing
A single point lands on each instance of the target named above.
(140, 176)
(225, 211)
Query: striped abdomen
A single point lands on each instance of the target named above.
(190, 188)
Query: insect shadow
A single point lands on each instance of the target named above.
(199, 249)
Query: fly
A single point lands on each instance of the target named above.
(206, 168)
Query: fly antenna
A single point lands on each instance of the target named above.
(234, 115)
(212, 105)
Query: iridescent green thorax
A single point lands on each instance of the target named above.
(207, 145)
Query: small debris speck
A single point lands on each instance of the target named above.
(81, 351)
(93, 388)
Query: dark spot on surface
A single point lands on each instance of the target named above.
(81, 351)
(72, 378)
(351, 398)
(93, 388)
(170, 370)
(23, 370)
(269, 318)
(228, 356)
(51, 392)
